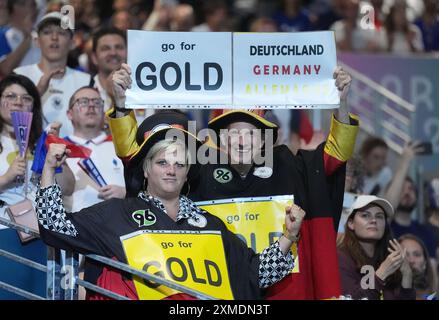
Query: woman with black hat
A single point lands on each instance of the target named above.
(145, 230)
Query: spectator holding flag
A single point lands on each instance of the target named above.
(55, 81)
(373, 265)
(19, 94)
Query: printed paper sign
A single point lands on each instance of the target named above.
(195, 70)
(193, 259)
(179, 68)
(257, 221)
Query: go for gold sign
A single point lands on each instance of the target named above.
(180, 270)
(150, 81)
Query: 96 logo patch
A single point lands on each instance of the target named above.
(144, 218)
(222, 175)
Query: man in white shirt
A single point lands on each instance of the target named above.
(17, 47)
(87, 116)
(55, 81)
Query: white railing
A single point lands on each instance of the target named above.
(55, 272)
(382, 113)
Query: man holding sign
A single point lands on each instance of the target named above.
(162, 231)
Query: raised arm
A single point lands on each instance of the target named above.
(340, 144)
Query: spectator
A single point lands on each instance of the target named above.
(292, 17)
(215, 13)
(378, 13)
(54, 5)
(271, 116)
(433, 211)
(289, 174)
(16, 45)
(424, 274)
(182, 18)
(366, 243)
(403, 222)
(324, 19)
(301, 131)
(350, 35)
(428, 23)
(18, 93)
(353, 187)
(55, 81)
(402, 194)
(89, 14)
(373, 153)
(109, 52)
(160, 17)
(86, 114)
(4, 15)
(401, 35)
(170, 16)
(354, 176)
(263, 24)
(123, 20)
(119, 5)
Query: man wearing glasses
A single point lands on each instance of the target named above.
(86, 113)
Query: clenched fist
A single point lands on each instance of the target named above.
(293, 220)
(342, 82)
(56, 155)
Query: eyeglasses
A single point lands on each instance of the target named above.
(84, 103)
(26, 99)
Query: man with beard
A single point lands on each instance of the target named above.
(87, 116)
(403, 196)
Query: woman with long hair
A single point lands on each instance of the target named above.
(372, 264)
(402, 35)
(18, 93)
